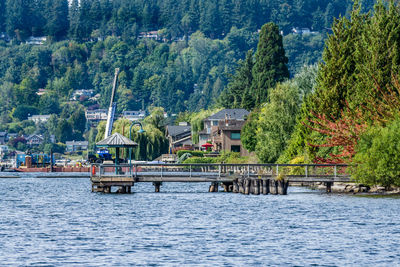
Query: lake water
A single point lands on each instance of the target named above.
(59, 222)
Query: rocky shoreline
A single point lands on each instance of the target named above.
(357, 188)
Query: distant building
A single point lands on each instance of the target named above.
(4, 36)
(3, 138)
(36, 40)
(298, 30)
(134, 115)
(96, 115)
(39, 118)
(73, 146)
(34, 140)
(152, 35)
(179, 136)
(41, 91)
(3, 149)
(83, 92)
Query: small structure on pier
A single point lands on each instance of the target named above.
(116, 141)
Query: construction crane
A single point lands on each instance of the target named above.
(112, 108)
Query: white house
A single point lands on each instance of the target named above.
(39, 118)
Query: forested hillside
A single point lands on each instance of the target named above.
(86, 19)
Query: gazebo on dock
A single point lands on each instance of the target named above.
(116, 141)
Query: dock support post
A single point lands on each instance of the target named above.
(247, 186)
(213, 187)
(329, 187)
(241, 185)
(282, 187)
(256, 187)
(273, 187)
(235, 187)
(157, 186)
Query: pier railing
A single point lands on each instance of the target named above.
(291, 172)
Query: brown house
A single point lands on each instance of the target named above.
(226, 136)
(223, 129)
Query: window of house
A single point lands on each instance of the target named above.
(235, 149)
(235, 135)
(215, 123)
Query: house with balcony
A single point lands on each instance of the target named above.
(75, 146)
(179, 136)
(223, 130)
(134, 115)
(96, 115)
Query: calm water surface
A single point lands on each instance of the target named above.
(59, 222)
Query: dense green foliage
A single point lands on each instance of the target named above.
(87, 19)
(270, 63)
(268, 129)
(378, 156)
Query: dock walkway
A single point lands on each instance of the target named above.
(232, 177)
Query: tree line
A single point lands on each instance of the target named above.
(85, 19)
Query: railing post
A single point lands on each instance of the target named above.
(190, 170)
(219, 170)
(135, 170)
(161, 170)
(306, 170)
(277, 170)
(334, 170)
(248, 170)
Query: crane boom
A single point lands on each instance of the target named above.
(112, 108)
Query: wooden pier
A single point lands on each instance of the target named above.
(237, 178)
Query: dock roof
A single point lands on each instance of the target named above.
(116, 140)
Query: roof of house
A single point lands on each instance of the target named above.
(116, 140)
(236, 113)
(34, 135)
(77, 143)
(174, 130)
(232, 125)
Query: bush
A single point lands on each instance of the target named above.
(194, 160)
(377, 158)
(193, 153)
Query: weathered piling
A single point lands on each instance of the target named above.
(273, 187)
(282, 187)
(329, 187)
(256, 187)
(213, 187)
(241, 185)
(247, 184)
(265, 186)
(235, 187)
(157, 186)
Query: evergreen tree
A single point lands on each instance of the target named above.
(2, 15)
(237, 93)
(17, 18)
(270, 63)
(57, 18)
(337, 75)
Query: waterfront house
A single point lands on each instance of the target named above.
(179, 136)
(223, 130)
(74, 146)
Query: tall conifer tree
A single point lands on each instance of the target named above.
(270, 62)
